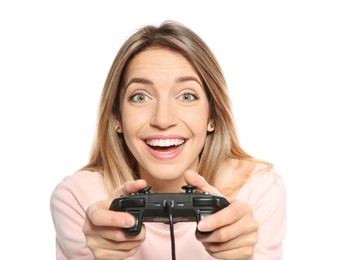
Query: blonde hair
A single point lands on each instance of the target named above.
(110, 155)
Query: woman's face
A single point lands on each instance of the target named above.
(165, 116)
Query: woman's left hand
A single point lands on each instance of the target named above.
(235, 230)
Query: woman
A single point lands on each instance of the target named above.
(165, 120)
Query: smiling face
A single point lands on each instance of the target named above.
(165, 116)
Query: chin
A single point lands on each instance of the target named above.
(163, 175)
(167, 177)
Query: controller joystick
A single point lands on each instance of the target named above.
(146, 190)
(188, 206)
(189, 188)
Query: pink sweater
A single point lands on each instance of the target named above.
(264, 191)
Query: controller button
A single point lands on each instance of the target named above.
(131, 203)
(212, 202)
(204, 213)
(134, 229)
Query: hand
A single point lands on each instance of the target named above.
(104, 231)
(235, 228)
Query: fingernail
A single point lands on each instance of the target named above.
(203, 226)
(128, 222)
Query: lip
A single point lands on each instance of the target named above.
(166, 155)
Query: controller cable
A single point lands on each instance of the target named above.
(169, 204)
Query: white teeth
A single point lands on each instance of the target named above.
(165, 142)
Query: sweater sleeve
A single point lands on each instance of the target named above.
(266, 193)
(68, 204)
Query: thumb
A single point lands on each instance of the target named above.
(193, 178)
(126, 188)
(130, 187)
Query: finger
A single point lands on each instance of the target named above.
(109, 241)
(99, 215)
(245, 252)
(114, 243)
(193, 178)
(236, 212)
(113, 254)
(129, 187)
(133, 186)
(244, 240)
(118, 235)
(245, 227)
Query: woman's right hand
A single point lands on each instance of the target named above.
(104, 229)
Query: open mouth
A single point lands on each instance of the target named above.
(165, 145)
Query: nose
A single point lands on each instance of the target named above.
(164, 115)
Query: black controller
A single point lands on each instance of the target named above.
(188, 206)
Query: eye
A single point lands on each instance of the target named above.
(188, 96)
(139, 97)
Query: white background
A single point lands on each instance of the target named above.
(281, 60)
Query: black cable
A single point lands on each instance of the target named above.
(169, 204)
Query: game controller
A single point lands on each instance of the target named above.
(188, 206)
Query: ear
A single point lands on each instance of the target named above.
(118, 126)
(119, 130)
(211, 126)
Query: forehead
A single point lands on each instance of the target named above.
(158, 59)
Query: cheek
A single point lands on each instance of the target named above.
(197, 120)
(132, 121)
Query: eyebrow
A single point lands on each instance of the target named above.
(188, 78)
(140, 81)
(149, 82)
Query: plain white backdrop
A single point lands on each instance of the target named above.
(281, 60)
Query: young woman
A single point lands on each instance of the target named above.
(165, 120)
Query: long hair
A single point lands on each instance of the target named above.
(110, 155)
